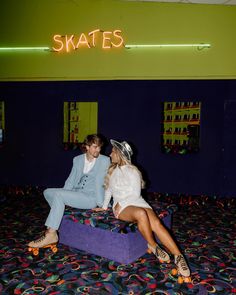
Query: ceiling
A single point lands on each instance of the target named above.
(219, 2)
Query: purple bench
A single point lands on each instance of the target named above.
(100, 233)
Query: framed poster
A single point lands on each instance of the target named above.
(2, 122)
(80, 119)
(180, 127)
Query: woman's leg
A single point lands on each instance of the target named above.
(162, 233)
(139, 215)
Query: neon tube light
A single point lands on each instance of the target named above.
(95, 38)
(200, 45)
(24, 48)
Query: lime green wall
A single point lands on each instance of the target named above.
(34, 22)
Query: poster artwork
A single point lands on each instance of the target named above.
(180, 127)
(80, 119)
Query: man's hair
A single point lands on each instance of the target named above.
(91, 139)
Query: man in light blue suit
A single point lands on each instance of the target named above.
(84, 189)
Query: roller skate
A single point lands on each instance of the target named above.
(182, 270)
(160, 254)
(48, 240)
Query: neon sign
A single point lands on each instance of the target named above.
(95, 38)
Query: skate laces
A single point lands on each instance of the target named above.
(40, 239)
(161, 253)
(180, 261)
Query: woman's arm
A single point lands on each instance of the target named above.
(106, 202)
(107, 198)
(98, 209)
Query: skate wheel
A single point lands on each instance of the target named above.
(54, 249)
(174, 272)
(187, 280)
(180, 280)
(35, 252)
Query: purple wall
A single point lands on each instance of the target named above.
(130, 110)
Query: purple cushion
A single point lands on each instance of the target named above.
(100, 233)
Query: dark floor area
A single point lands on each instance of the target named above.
(204, 228)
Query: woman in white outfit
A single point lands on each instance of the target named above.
(123, 182)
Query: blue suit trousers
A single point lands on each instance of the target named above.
(58, 198)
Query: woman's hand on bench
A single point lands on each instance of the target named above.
(98, 209)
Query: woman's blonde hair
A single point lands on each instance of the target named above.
(121, 161)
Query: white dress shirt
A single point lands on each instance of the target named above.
(88, 165)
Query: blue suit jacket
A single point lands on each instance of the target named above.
(91, 183)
